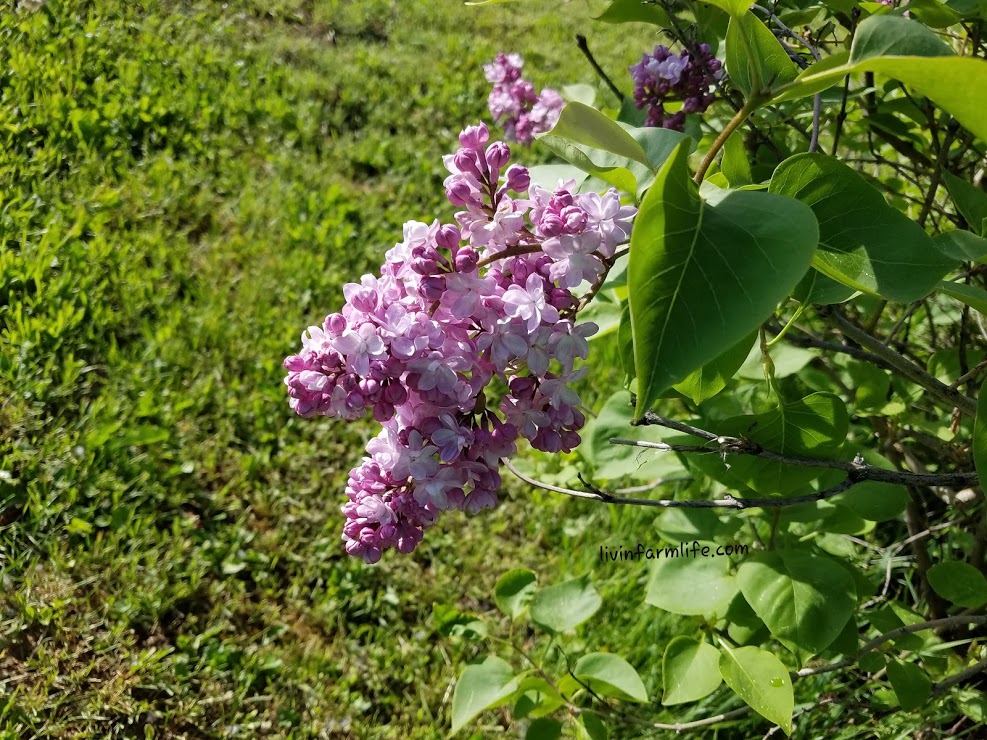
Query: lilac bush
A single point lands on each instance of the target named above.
(457, 307)
(664, 76)
(514, 103)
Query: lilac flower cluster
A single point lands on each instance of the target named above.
(514, 103)
(896, 4)
(664, 75)
(456, 308)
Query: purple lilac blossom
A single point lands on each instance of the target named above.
(454, 307)
(514, 103)
(895, 4)
(664, 76)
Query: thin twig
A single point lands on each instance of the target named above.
(584, 48)
(681, 726)
(893, 550)
(872, 645)
(948, 683)
(598, 494)
(817, 98)
(902, 364)
(857, 468)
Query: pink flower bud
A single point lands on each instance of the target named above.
(475, 137)
(517, 178)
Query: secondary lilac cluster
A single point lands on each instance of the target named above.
(456, 308)
(514, 103)
(896, 4)
(664, 75)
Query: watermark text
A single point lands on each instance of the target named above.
(684, 550)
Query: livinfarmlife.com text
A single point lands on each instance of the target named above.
(696, 549)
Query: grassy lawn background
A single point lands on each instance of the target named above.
(185, 186)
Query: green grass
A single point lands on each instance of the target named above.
(185, 186)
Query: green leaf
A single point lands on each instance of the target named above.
(872, 662)
(959, 583)
(618, 461)
(690, 670)
(961, 245)
(786, 358)
(761, 680)
(686, 525)
(755, 59)
(933, 13)
(804, 599)
(910, 683)
(821, 290)
(585, 94)
(565, 606)
(814, 426)
(611, 675)
(874, 501)
(745, 627)
(970, 201)
(735, 166)
(704, 274)
(536, 698)
(618, 154)
(871, 500)
(864, 243)
(659, 144)
(973, 704)
(581, 124)
(544, 728)
(591, 727)
(733, 7)
(625, 345)
(682, 584)
(450, 622)
(481, 686)
(969, 8)
(634, 11)
(514, 590)
(971, 295)
(713, 377)
(907, 51)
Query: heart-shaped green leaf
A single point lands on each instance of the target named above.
(682, 583)
(703, 274)
(690, 670)
(755, 58)
(910, 683)
(907, 51)
(959, 583)
(970, 200)
(482, 686)
(804, 599)
(633, 11)
(864, 243)
(814, 426)
(611, 675)
(566, 605)
(711, 378)
(514, 590)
